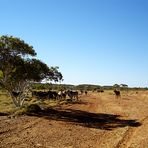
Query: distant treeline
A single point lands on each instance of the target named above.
(88, 87)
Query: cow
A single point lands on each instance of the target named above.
(61, 95)
(117, 93)
(40, 94)
(72, 94)
(64, 94)
(45, 95)
(81, 91)
(53, 94)
(86, 92)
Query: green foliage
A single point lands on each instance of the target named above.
(10, 44)
(116, 86)
(1, 74)
(16, 62)
(18, 67)
(49, 86)
(88, 87)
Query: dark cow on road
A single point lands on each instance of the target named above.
(86, 92)
(117, 93)
(81, 91)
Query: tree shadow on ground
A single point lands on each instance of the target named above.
(3, 114)
(87, 119)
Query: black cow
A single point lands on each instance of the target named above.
(45, 95)
(72, 94)
(81, 91)
(86, 92)
(117, 93)
(41, 95)
(53, 94)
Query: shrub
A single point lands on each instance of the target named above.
(33, 108)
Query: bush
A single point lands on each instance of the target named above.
(33, 108)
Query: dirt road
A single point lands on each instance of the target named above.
(96, 121)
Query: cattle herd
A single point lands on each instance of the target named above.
(55, 95)
(58, 95)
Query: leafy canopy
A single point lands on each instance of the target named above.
(19, 67)
(17, 62)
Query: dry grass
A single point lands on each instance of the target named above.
(7, 106)
(99, 120)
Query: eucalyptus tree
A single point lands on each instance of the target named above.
(124, 85)
(19, 68)
(116, 86)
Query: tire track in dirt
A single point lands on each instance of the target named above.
(30, 131)
(106, 105)
(126, 141)
(10, 137)
(126, 134)
(30, 125)
(22, 127)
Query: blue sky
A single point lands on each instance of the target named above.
(92, 41)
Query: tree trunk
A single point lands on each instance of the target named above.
(15, 101)
(18, 101)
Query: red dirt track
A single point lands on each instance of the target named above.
(98, 120)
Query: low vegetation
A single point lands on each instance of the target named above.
(30, 105)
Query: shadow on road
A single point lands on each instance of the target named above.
(87, 119)
(3, 114)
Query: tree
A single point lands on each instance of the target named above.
(19, 68)
(116, 86)
(124, 85)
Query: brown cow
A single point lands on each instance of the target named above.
(117, 93)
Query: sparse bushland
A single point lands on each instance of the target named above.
(31, 104)
(19, 68)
